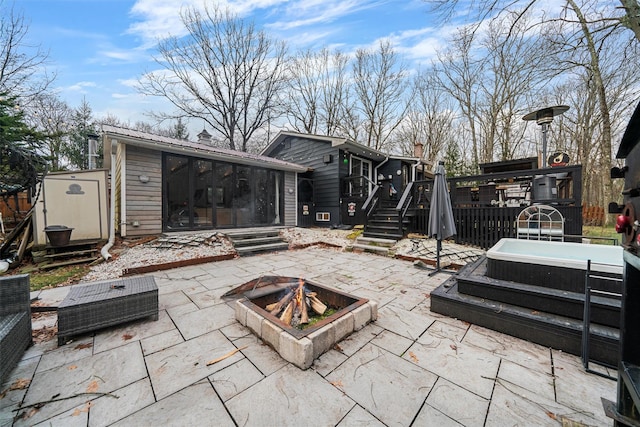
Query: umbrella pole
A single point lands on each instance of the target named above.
(438, 247)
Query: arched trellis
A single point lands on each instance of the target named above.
(540, 222)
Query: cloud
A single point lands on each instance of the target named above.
(79, 87)
(158, 19)
(312, 12)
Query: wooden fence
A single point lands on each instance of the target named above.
(485, 226)
(593, 215)
(14, 208)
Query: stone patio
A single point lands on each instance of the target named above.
(410, 367)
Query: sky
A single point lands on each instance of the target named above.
(99, 48)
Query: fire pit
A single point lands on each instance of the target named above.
(302, 343)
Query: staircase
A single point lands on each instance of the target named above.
(255, 240)
(384, 222)
(542, 315)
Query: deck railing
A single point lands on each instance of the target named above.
(485, 226)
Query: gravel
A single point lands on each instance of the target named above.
(180, 246)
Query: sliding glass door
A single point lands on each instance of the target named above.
(203, 194)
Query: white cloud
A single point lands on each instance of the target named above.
(311, 12)
(79, 87)
(158, 19)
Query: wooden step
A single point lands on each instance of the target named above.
(514, 317)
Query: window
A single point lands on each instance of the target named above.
(323, 216)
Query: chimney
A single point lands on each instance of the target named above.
(418, 150)
(204, 137)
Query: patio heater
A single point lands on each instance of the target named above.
(544, 117)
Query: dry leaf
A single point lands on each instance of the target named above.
(72, 367)
(413, 356)
(79, 411)
(92, 387)
(337, 383)
(83, 346)
(454, 347)
(20, 384)
(551, 415)
(535, 312)
(126, 337)
(30, 413)
(337, 348)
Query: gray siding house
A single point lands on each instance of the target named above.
(163, 184)
(341, 175)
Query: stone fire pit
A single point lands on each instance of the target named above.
(300, 346)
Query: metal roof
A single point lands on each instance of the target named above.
(178, 146)
(338, 142)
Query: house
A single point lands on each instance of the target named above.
(162, 184)
(342, 177)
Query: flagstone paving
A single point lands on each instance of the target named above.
(409, 368)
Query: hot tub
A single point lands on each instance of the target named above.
(558, 265)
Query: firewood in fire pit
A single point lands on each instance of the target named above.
(304, 314)
(287, 314)
(316, 304)
(282, 303)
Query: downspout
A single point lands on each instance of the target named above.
(413, 170)
(112, 211)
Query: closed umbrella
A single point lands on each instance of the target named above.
(441, 222)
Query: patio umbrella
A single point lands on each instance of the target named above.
(441, 222)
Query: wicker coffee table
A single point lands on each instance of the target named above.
(97, 305)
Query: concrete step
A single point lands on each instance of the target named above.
(375, 241)
(386, 234)
(252, 233)
(269, 247)
(255, 241)
(378, 249)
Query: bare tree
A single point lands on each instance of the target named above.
(21, 65)
(335, 100)
(305, 85)
(51, 116)
(458, 74)
(318, 85)
(379, 84)
(224, 72)
(429, 119)
(516, 65)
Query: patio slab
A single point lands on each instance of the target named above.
(409, 368)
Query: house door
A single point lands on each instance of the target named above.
(306, 211)
(360, 168)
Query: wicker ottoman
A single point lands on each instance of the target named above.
(98, 305)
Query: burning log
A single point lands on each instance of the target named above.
(304, 315)
(293, 308)
(317, 305)
(282, 303)
(287, 314)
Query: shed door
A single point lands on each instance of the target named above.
(74, 202)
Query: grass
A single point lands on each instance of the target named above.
(53, 278)
(604, 231)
